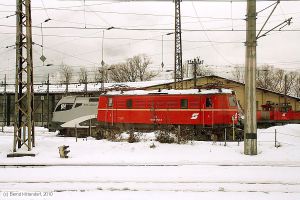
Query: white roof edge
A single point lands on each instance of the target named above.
(171, 91)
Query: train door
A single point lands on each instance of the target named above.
(109, 111)
(208, 114)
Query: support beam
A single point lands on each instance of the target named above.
(24, 99)
(250, 129)
(178, 72)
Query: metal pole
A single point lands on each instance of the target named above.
(67, 83)
(42, 118)
(102, 64)
(4, 102)
(195, 74)
(18, 83)
(285, 92)
(85, 84)
(250, 129)
(48, 103)
(42, 43)
(195, 63)
(30, 93)
(76, 132)
(275, 138)
(162, 52)
(225, 137)
(178, 72)
(90, 127)
(233, 130)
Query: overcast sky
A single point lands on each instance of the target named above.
(139, 27)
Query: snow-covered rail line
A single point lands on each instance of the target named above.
(152, 186)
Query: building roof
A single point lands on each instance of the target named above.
(231, 80)
(96, 87)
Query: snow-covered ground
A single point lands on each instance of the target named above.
(100, 169)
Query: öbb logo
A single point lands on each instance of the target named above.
(195, 116)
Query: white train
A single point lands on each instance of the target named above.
(73, 111)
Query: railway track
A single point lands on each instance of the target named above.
(66, 181)
(156, 186)
(231, 164)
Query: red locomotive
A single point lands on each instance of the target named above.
(272, 114)
(211, 110)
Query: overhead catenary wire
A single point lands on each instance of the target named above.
(45, 9)
(146, 29)
(217, 51)
(40, 8)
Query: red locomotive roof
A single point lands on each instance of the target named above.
(172, 91)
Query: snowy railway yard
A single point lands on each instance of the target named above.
(101, 169)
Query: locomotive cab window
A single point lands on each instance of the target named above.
(129, 103)
(183, 103)
(110, 102)
(64, 107)
(208, 102)
(232, 101)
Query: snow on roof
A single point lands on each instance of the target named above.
(91, 87)
(172, 91)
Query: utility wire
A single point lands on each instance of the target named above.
(146, 29)
(218, 52)
(45, 9)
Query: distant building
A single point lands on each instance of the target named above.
(263, 96)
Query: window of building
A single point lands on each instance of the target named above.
(183, 103)
(208, 102)
(129, 103)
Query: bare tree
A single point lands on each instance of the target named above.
(291, 81)
(135, 69)
(83, 75)
(276, 80)
(120, 73)
(270, 78)
(66, 73)
(296, 86)
(265, 77)
(141, 63)
(102, 73)
(238, 74)
(203, 70)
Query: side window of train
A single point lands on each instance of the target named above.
(232, 101)
(110, 102)
(183, 103)
(129, 103)
(208, 102)
(93, 99)
(77, 105)
(64, 106)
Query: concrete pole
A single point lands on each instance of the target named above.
(250, 129)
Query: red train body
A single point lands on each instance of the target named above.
(275, 114)
(199, 108)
